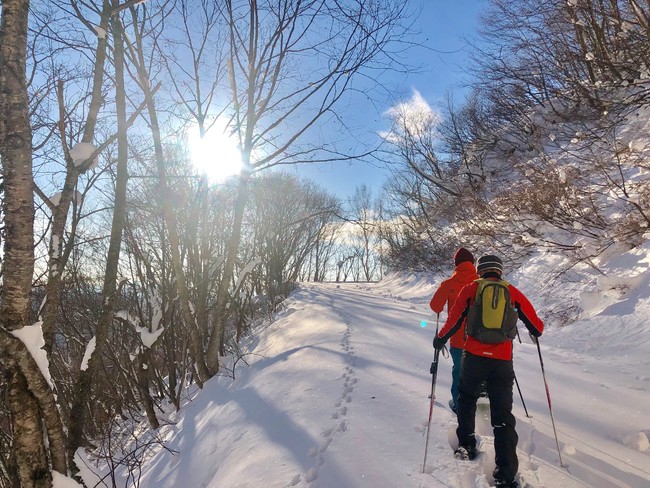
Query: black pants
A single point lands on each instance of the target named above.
(499, 377)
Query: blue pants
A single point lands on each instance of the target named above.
(456, 356)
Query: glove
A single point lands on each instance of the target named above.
(533, 338)
(438, 343)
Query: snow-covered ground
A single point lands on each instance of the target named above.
(335, 396)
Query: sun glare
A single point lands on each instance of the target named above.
(215, 154)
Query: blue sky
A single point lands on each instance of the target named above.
(442, 24)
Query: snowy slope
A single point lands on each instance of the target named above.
(336, 396)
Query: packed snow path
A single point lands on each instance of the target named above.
(335, 396)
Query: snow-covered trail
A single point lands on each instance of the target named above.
(387, 416)
(335, 396)
(389, 355)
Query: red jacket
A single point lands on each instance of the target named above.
(456, 321)
(448, 291)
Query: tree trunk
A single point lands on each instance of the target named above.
(58, 258)
(16, 156)
(215, 346)
(30, 398)
(174, 242)
(143, 368)
(33, 469)
(84, 383)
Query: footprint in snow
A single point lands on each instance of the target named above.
(325, 444)
(311, 475)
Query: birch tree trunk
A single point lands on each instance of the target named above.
(31, 402)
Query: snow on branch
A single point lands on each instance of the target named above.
(32, 337)
(90, 348)
(148, 338)
(247, 269)
(82, 152)
(101, 33)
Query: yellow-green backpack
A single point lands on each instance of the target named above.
(492, 318)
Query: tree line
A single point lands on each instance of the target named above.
(135, 275)
(545, 154)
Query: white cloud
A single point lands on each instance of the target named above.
(414, 116)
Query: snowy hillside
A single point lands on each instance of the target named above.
(336, 397)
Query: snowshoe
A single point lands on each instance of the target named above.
(502, 483)
(498, 483)
(465, 453)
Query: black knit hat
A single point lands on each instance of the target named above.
(489, 262)
(463, 255)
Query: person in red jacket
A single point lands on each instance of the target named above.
(464, 273)
(491, 363)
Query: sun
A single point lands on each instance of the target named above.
(215, 155)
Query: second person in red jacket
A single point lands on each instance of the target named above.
(464, 273)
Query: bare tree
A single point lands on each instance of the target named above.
(287, 217)
(320, 266)
(59, 249)
(110, 285)
(143, 76)
(414, 141)
(289, 65)
(437, 177)
(365, 229)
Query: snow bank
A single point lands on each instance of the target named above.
(61, 481)
(638, 441)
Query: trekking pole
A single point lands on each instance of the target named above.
(520, 395)
(548, 396)
(434, 375)
(517, 383)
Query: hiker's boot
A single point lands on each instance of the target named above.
(501, 483)
(465, 453)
